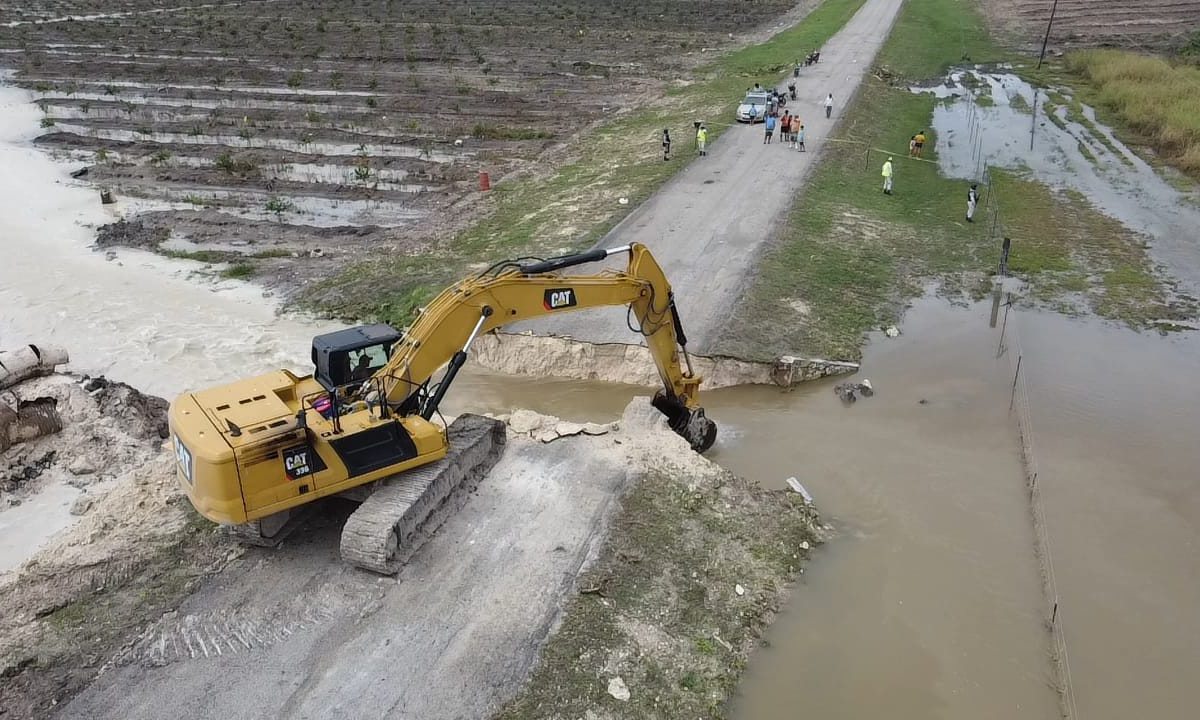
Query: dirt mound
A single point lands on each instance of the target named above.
(141, 415)
(130, 233)
(107, 428)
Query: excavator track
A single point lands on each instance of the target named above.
(404, 511)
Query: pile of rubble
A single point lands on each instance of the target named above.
(78, 429)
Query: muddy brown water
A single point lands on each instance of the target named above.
(929, 602)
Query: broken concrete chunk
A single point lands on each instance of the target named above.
(616, 688)
(569, 429)
(82, 465)
(524, 421)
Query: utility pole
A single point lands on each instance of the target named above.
(1045, 40)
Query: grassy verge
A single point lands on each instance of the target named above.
(660, 608)
(571, 207)
(850, 256)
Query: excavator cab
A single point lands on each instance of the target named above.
(352, 355)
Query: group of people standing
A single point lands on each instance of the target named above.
(791, 130)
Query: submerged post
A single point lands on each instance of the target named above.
(1012, 398)
(1033, 125)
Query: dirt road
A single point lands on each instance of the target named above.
(452, 639)
(707, 225)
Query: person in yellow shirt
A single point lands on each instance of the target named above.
(702, 140)
(887, 177)
(918, 143)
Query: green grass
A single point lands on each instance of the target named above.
(204, 256)
(238, 271)
(496, 132)
(576, 204)
(850, 257)
(272, 253)
(931, 35)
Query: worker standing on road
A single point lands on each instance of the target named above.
(785, 127)
(829, 106)
(887, 177)
(702, 140)
(800, 139)
(972, 201)
(666, 143)
(770, 129)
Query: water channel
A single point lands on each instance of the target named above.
(927, 603)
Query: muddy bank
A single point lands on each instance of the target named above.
(553, 356)
(96, 539)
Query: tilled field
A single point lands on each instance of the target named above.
(360, 125)
(1145, 23)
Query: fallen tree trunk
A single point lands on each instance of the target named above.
(32, 419)
(29, 361)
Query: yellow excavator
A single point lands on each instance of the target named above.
(252, 454)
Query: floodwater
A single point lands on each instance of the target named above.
(28, 526)
(140, 318)
(927, 603)
(1114, 179)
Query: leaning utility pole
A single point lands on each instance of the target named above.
(1045, 40)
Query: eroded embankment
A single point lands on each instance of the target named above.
(694, 568)
(125, 553)
(552, 356)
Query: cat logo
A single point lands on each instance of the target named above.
(301, 462)
(559, 298)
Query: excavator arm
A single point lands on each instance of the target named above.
(514, 291)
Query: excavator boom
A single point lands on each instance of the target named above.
(512, 292)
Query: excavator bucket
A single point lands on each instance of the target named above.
(691, 425)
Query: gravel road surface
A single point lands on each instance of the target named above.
(707, 225)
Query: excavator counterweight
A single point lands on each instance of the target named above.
(255, 453)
